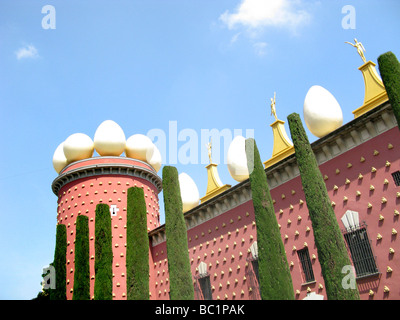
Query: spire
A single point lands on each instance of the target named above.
(375, 93)
(214, 184)
(283, 147)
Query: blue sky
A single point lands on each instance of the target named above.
(204, 64)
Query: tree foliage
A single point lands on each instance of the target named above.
(331, 248)
(103, 254)
(137, 248)
(180, 277)
(274, 276)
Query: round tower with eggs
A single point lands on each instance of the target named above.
(85, 180)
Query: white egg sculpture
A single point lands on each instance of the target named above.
(109, 139)
(155, 159)
(322, 113)
(139, 147)
(78, 146)
(189, 192)
(237, 160)
(59, 159)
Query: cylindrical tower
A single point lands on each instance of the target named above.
(82, 185)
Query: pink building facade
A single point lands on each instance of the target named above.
(360, 163)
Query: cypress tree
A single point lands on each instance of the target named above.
(332, 253)
(59, 264)
(389, 67)
(274, 276)
(181, 285)
(137, 247)
(82, 271)
(103, 254)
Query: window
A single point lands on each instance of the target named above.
(203, 284)
(306, 266)
(361, 252)
(252, 273)
(396, 178)
(254, 263)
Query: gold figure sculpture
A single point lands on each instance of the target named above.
(273, 107)
(360, 48)
(209, 147)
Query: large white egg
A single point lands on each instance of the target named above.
(109, 139)
(59, 159)
(78, 146)
(189, 192)
(322, 113)
(155, 159)
(237, 160)
(139, 147)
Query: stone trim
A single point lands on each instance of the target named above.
(106, 168)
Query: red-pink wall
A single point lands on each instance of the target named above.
(347, 167)
(81, 197)
(296, 227)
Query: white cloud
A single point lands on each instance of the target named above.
(260, 48)
(258, 14)
(27, 52)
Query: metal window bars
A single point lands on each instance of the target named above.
(306, 266)
(359, 246)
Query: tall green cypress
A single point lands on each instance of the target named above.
(180, 277)
(103, 254)
(332, 253)
(274, 276)
(59, 264)
(82, 271)
(137, 247)
(389, 67)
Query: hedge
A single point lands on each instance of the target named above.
(331, 248)
(389, 67)
(103, 254)
(82, 271)
(59, 264)
(137, 248)
(180, 277)
(274, 275)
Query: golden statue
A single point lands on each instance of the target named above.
(360, 49)
(273, 106)
(209, 147)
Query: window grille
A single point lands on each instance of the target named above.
(306, 266)
(361, 253)
(396, 178)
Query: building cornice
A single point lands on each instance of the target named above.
(98, 169)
